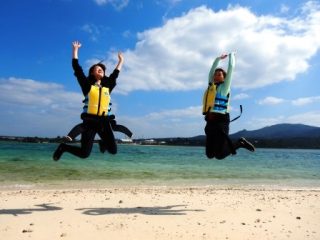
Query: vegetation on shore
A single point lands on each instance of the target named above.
(294, 136)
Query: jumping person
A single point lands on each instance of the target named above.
(218, 143)
(96, 88)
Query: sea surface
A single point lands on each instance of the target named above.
(24, 165)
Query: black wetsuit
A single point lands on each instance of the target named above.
(218, 143)
(78, 129)
(92, 124)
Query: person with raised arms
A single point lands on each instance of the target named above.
(216, 103)
(96, 89)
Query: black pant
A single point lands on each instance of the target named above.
(78, 129)
(218, 143)
(89, 130)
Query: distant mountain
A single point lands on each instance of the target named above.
(281, 131)
(276, 136)
(278, 131)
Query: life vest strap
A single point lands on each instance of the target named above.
(212, 116)
(239, 115)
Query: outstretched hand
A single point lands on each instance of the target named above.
(120, 57)
(75, 47)
(223, 56)
(76, 44)
(120, 62)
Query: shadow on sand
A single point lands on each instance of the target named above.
(167, 210)
(19, 211)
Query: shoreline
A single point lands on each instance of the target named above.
(312, 185)
(128, 183)
(160, 212)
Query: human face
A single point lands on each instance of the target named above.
(98, 72)
(218, 76)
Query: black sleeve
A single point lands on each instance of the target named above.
(81, 77)
(111, 81)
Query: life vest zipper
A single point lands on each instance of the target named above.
(99, 102)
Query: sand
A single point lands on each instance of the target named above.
(159, 213)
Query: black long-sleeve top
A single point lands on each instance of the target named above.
(86, 82)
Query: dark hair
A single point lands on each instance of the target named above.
(221, 70)
(97, 64)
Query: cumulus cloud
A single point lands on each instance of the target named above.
(271, 101)
(311, 118)
(167, 123)
(35, 94)
(305, 101)
(152, 125)
(190, 112)
(262, 122)
(184, 122)
(177, 56)
(296, 102)
(37, 108)
(47, 109)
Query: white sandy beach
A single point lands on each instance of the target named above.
(159, 213)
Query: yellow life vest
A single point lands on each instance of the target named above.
(208, 98)
(97, 101)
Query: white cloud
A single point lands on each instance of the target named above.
(262, 122)
(305, 101)
(94, 31)
(101, 2)
(271, 101)
(296, 102)
(36, 94)
(311, 118)
(177, 56)
(186, 122)
(47, 109)
(284, 8)
(117, 4)
(241, 96)
(190, 112)
(37, 108)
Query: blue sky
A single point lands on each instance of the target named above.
(169, 46)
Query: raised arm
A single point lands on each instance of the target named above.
(228, 79)
(120, 61)
(75, 47)
(214, 66)
(112, 80)
(78, 72)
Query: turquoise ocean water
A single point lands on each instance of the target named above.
(29, 163)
